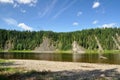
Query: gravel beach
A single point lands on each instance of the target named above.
(53, 70)
(41, 65)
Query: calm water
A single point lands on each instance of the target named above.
(88, 58)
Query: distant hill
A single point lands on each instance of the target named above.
(26, 40)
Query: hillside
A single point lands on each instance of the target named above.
(26, 40)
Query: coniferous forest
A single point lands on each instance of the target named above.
(29, 40)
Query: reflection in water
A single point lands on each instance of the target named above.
(89, 58)
(76, 57)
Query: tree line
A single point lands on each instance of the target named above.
(29, 40)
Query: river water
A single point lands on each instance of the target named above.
(87, 58)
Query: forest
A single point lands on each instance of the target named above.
(29, 40)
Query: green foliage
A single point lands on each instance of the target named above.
(27, 40)
(2, 61)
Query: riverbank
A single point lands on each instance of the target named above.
(60, 51)
(40, 65)
(53, 70)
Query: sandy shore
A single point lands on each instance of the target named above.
(51, 70)
(41, 65)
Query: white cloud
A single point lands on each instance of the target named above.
(75, 24)
(109, 25)
(95, 22)
(16, 3)
(96, 4)
(29, 2)
(63, 9)
(48, 9)
(10, 21)
(24, 26)
(23, 11)
(79, 13)
(6, 1)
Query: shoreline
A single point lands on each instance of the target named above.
(54, 70)
(40, 65)
(68, 51)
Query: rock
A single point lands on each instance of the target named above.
(76, 48)
(102, 57)
(8, 45)
(46, 45)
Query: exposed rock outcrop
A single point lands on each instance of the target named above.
(117, 44)
(100, 50)
(118, 37)
(8, 45)
(46, 45)
(76, 48)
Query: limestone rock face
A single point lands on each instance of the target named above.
(8, 45)
(46, 45)
(118, 37)
(76, 48)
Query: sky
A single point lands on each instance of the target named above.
(58, 15)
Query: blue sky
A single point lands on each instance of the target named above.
(58, 15)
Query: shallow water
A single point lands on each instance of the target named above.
(88, 58)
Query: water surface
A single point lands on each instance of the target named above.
(88, 58)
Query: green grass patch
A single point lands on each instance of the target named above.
(111, 51)
(105, 51)
(7, 69)
(66, 51)
(1, 50)
(26, 51)
(2, 61)
(91, 51)
(7, 72)
(4, 67)
(60, 51)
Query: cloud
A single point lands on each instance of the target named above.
(95, 22)
(23, 11)
(48, 9)
(6, 1)
(96, 4)
(16, 3)
(79, 13)
(24, 26)
(75, 24)
(10, 21)
(109, 25)
(29, 2)
(63, 9)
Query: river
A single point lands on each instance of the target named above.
(64, 57)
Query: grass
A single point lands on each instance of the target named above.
(26, 51)
(2, 61)
(17, 51)
(66, 51)
(6, 71)
(111, 51)
(91, 51)
(1, 50)
(105, 51)
(61, 51)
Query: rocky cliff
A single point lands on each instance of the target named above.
(46, 45)
(77, 48)
(8, 45)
